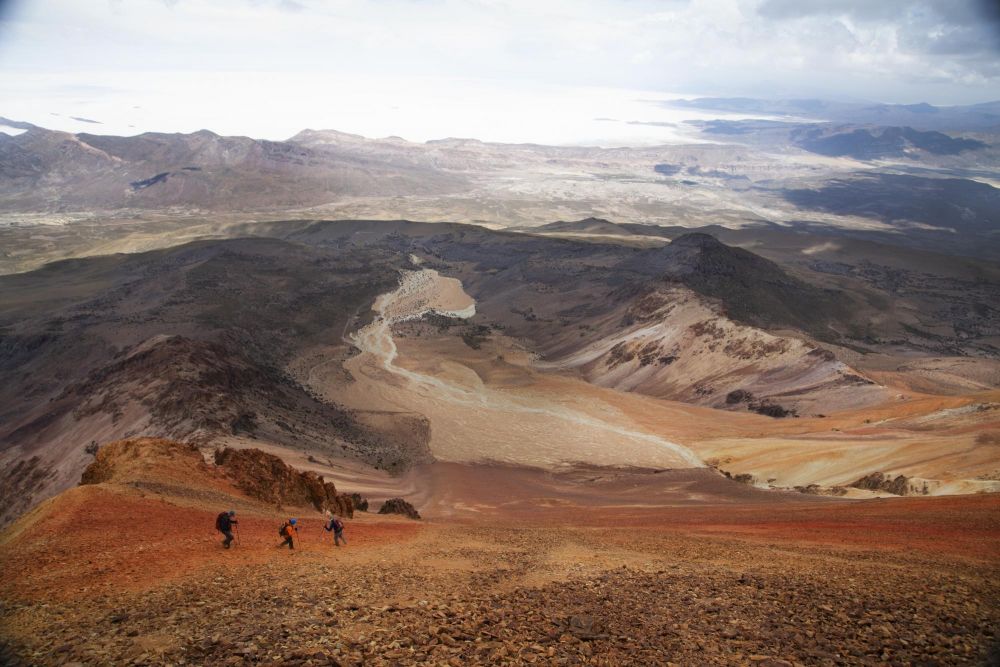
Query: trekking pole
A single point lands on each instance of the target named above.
(238, 535)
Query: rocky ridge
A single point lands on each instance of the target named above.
(165, 466)
(266, 477)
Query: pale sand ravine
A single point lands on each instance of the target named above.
(473, 422)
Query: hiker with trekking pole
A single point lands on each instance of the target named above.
(290, 532)
(225, 523)
(336, 526)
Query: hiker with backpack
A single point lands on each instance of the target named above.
(290, 533)
(335, 525)
(224, 523)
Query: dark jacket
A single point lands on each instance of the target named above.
(224, 522)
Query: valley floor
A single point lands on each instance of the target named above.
(117, 576)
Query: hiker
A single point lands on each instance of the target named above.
(290, 533)
(224, 523)
(334, 524)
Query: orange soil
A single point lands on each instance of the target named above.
(96, 541)
(959, 527)
(92, 541)
(962, 527)
(965, 527)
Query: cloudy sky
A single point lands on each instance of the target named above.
(422, 68)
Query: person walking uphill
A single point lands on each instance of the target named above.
(290, 533)
(334, 524)
(224, 523)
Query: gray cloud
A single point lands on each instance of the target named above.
(957, 12)
(879, 10)
(942, 51)
(952, 39)
(976, 20)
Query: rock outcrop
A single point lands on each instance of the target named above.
(899, 485)
(360, 504)
(268, 478)
(145, 461)
(399, 506)
(160, 465)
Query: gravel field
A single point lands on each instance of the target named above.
(510, 590)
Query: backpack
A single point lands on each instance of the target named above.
(281, 531)
(220, 519)
(336, 524)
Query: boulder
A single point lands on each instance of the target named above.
(399, 506)
(899, 485)
(360, 504)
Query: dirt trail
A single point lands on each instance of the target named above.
(474, 422)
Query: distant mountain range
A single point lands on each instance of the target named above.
(876, 143)
(929, 185)
(840, 140)
(864, 143)
(44, 169)
(921, 116)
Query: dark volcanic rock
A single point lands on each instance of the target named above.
(399, 506)
(152, 180)
(899, 485)
(761, 407)
(956, 204)
(753, 290)
(770, 409)
(738, 396)
(360, 504)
